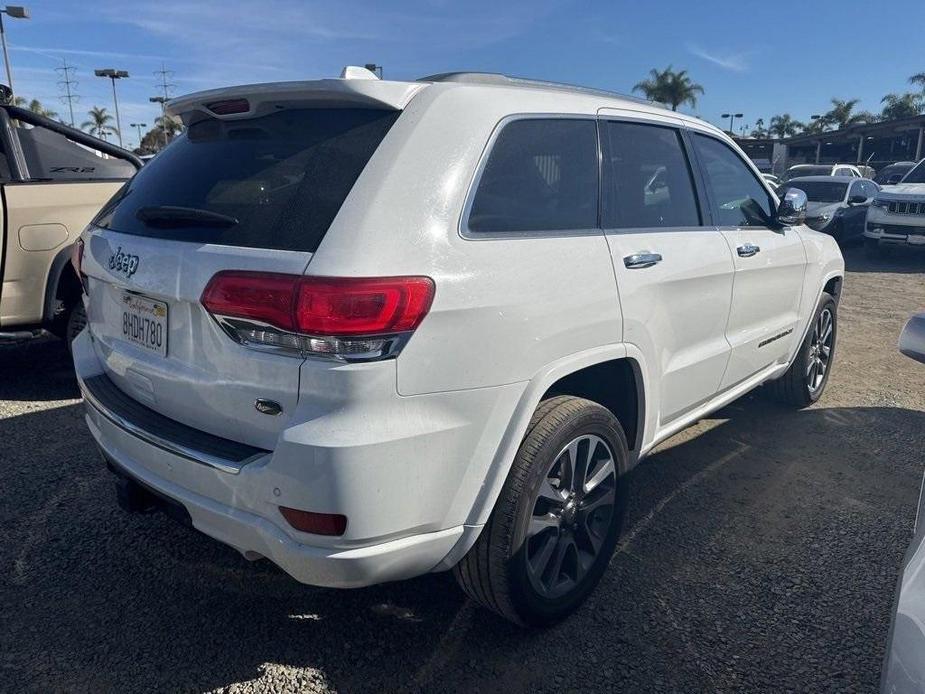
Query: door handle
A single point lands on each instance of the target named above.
(638, 261)
(748, 250)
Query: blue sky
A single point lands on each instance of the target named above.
(758, 58)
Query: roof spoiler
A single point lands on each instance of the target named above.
(257, 99)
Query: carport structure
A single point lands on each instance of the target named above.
(876, 144)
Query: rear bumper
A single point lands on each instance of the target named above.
(407, 491)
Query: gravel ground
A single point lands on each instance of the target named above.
(762, 553)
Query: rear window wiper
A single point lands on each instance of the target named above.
(166, 216)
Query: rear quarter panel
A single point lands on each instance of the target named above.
(504, 307)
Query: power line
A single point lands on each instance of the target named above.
(68, 83)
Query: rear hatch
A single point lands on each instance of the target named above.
(253, 191)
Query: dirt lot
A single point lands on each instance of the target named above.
(762, 555)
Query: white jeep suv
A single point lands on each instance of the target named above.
(897, 214)
(372, 329)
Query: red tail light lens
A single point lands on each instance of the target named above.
(315, 523)
(350, 317)
(361, 306)
(266, 297)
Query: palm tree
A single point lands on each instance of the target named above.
(99, 123)
(902, 105)
(759, 130)
(669, 87)
(36, 107)
(842, 114)
(784, 126)
(169, 124)
(919, 79)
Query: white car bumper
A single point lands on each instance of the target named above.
(240, 507)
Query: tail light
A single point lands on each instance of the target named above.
(349, 318)
(77, 259)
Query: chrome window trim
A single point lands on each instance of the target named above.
(463, 227)
(179, 450)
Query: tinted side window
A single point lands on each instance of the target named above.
(857, 188)
(541, 175)
(647, 178)
(738, 196)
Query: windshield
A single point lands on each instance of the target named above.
(275, 182)
(891, 172)
(917, 175)
(807, 171)
(821, 191)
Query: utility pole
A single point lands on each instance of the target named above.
(68, 83)
(164, 86)
(114, 75)
(139, 126)
(16, 12)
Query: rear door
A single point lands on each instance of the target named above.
(673, 269)
(253, 194)
(769, 262)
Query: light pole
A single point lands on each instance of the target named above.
(161, 100)
(139, 126)
(731, 117)
(114, 75)
(16, 12)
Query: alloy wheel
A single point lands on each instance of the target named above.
(820, 350)
(571, 516)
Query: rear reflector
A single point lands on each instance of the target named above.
(347, 317)
(315, 523)
(229, 107)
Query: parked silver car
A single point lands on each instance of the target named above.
(837, 205)
(904, 666)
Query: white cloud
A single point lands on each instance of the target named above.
(735, 62)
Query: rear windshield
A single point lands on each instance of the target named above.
(821, 191)
(278, 181)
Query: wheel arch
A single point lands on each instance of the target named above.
(580, 375)
(62, 283)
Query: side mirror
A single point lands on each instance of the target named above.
(792, 208)
(912, 338)
(857, 199)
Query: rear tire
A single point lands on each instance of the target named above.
(557, 520)
(805, 380)
(76, 322)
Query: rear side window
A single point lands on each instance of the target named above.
(280, 178)
(739, 198)
(541, 175)
(647, 179)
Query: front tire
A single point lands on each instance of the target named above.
(805, 380)
(557, 521)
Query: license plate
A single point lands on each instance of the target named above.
(144, 322)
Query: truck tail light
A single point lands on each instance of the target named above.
(348, 318)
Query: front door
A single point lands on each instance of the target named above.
(769, 262)
(674, 271)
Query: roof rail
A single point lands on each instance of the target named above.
(506, 80)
